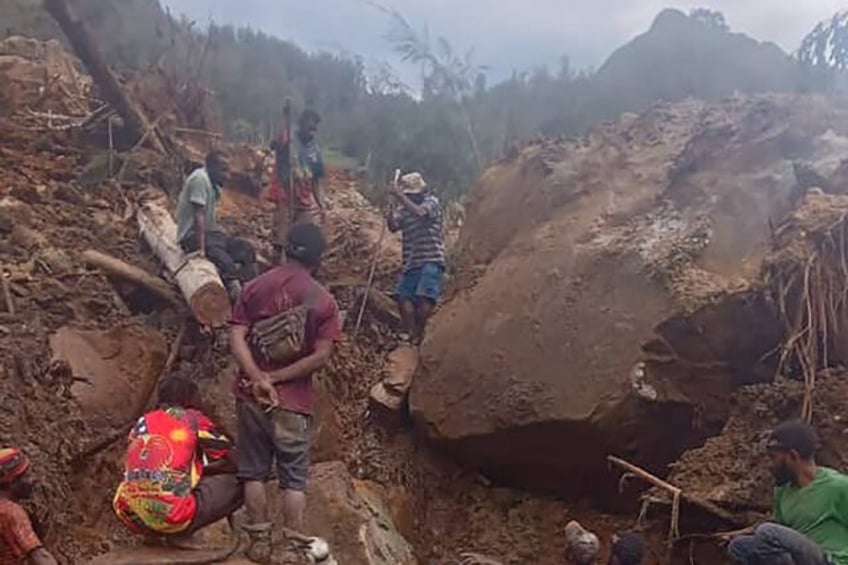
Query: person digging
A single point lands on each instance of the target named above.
(19, 542)
(197, 230)
(179, 470)
(417, 214)
(284, 327)
(810, 514)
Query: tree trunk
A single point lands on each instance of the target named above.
(88, 51)
(118, 268)
(197, 278)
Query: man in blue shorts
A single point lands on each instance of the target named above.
(417, 214)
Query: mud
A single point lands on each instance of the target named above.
(57, 200)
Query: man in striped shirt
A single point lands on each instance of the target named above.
(417, 214)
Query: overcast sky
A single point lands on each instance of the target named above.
(507, 34)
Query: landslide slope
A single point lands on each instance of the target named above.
(609, 291)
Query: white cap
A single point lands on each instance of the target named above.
(413, 183)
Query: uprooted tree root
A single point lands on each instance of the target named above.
(808, 279)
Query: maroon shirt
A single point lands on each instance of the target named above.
(280, 289)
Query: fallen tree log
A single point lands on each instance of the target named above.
(197, 278)
(121, 269)
(88, 51)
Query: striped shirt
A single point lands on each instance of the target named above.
(422, 235)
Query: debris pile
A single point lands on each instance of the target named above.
(615, 291)
(63, 195)
(40, 78)
(611, 295)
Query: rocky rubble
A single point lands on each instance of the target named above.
(41, 77)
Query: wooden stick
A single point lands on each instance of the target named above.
(121, 269)
(151, 128)
(199, 132)
(676, 491)
(175, 348)
(373, 269)
(7, 292)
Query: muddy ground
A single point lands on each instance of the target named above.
(48, 216)
(58, 198)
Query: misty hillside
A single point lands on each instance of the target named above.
(376, 122)
(682, 56)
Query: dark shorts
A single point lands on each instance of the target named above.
(421, 282)
(217, 497)
(264, 437)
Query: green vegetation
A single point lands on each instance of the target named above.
(458, 123)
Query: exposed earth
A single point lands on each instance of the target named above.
(612, 295)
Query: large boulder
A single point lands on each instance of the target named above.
(353, 517)
(610, 291)
(115, 371)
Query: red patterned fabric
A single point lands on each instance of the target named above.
(168, 449)
(13, 464)
(17, 538)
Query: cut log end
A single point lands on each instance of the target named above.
(210, 305)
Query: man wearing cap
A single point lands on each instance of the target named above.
(417, 214)
(810, 514)
(18, 541)
(274, 398)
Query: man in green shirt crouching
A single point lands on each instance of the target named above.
(810, 507)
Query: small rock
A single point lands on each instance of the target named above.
(27, 238)
(57, 259)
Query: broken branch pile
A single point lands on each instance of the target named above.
(808, 277)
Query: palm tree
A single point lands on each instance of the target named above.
(443, 72)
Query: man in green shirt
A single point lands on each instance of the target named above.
(810, 507)
(197, 230)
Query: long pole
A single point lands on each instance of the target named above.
(287, 125)
(373, 268)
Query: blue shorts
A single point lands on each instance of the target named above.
(421, 282)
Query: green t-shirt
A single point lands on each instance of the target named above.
(819, 511)
(198, 189)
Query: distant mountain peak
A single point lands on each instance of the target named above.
(695, 55)
(670, 17)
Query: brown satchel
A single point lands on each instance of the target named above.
(280, 339)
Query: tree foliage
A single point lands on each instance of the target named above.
(451, 123)
(710, 18)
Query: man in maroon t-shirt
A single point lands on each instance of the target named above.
(274, 402)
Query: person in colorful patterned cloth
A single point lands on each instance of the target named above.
(179, 469)
(18, 541)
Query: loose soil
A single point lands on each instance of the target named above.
(57, 200)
